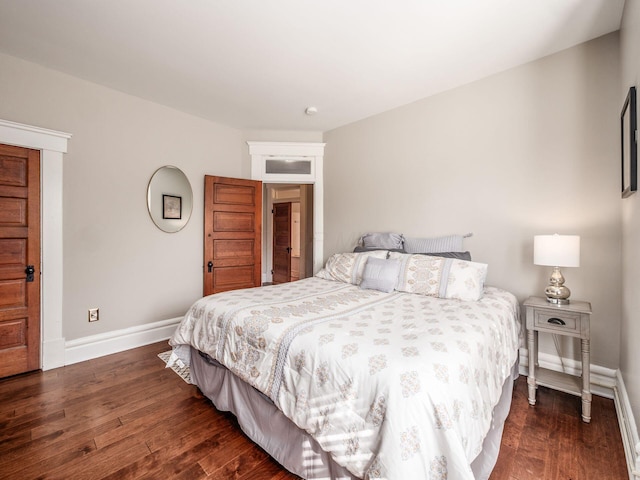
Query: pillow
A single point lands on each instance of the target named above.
(440, 277)
(380, 274)
(358, 248)
(466, 280)
(382, 240)
(450, 243)
(459, 255)
(419, 273)
(348, 267)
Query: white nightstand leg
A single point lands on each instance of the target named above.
(531, 379)
(586, 382)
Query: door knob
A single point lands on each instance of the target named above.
(210, 266)
(29, 271)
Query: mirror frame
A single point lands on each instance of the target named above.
(629, 151)
(169, 182)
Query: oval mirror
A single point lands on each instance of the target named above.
(169, 199)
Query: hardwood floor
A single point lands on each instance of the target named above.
(125, 416)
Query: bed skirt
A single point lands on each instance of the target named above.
(292, 447)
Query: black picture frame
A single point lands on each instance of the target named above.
(171, 207)
(629, 144)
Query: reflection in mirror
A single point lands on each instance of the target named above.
(169, 199)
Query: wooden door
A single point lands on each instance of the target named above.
(281, 242)
(19, 253)
(232, 234)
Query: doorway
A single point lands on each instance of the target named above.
(288, 239)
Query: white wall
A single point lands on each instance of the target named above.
(114, 256)
(630, 326)
(532, 150)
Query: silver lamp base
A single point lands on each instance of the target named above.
(556, 292)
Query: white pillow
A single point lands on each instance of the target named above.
(348, 267)
(466, 280)
(380, 274)
(440, 277)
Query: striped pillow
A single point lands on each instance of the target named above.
(450, 243)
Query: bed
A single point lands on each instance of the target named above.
(335, 379)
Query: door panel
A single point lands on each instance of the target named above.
(234, 194)
(12, 333)
(19, 247)
(281, 242)
(232, 278)
(232, 231)
(232, 221)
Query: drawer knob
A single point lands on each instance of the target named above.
(556, 321)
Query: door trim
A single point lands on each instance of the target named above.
(52, 145)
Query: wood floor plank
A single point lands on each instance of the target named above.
(216, 461)
(45, 464)
(151, 416)
(101, 462)
(23, 423)
(125, 416)
(49, 446)
(244, 464)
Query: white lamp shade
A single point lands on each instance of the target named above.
(556, 250)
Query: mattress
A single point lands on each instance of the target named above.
(389, 385)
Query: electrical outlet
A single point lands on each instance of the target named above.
(94, 314)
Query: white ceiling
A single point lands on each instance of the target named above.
(260, 63)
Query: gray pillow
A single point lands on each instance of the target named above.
(450, 243)
(380, 274)
(459, 255)
(358, 249)
(382, 240)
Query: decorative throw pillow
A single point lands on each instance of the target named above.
(450, 243)
(382, 240)
(380, 274)
(440, 277)
(348, 267)
(419, 273)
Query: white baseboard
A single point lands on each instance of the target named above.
(628, 428)
(52, 353)
(95, 346)
(603, 380)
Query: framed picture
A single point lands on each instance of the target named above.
(171, 207)
(629, 145)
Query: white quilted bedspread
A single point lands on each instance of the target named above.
(393, 385)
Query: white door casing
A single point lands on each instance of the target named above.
(313, 153)
(52, 146)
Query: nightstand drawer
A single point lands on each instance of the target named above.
(567, 323)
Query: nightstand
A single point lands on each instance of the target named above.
(571, 320)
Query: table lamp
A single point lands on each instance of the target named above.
(557, 251)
